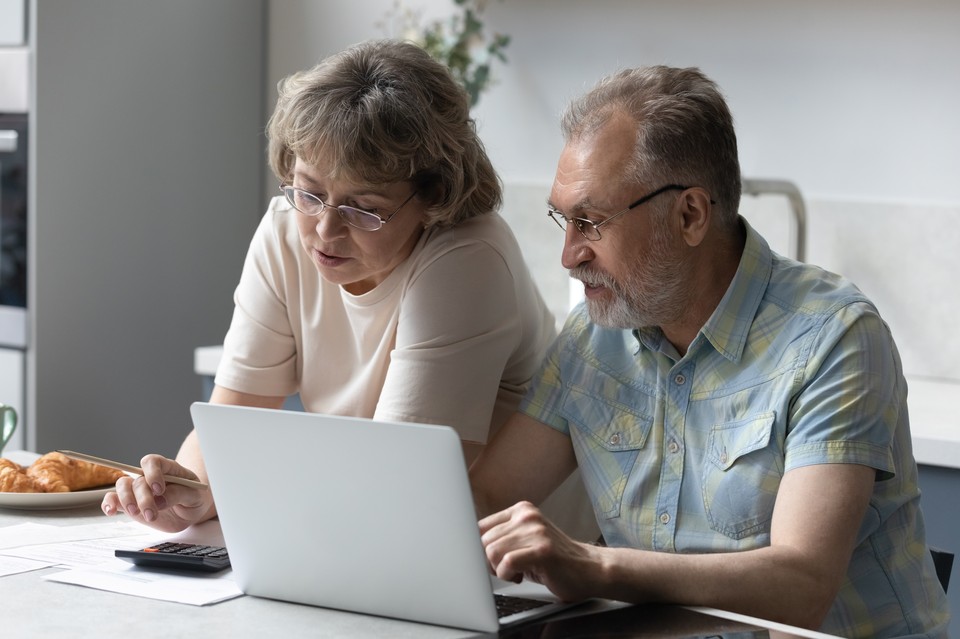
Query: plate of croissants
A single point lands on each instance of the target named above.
(53, 482)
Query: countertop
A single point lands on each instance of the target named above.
(934, 416)
(39, 608)
(935, 421)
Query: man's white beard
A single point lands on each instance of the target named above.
(652, 295)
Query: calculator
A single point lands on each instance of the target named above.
(176, 555)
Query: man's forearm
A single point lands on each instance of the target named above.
(778, 584)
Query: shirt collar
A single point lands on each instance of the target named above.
(729, 324)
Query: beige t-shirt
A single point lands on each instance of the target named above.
(452, 336)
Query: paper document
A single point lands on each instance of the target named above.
(16, 565)
(80, 554)
(31, 534)
(88, 549)
(119, 576)
(73, 546)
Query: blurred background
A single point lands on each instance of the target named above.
(853, 102)
(147, 171)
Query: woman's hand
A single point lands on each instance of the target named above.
(152, 501)
(172, 507)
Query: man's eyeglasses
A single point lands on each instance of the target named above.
(590, 229)
(309, 204)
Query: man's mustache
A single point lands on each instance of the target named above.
(592, 277)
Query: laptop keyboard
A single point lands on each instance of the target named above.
(507, 605)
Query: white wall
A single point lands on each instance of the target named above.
(849, 99)
(853, 101)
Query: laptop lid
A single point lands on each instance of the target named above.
(348, 513)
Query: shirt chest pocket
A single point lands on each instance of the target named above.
(741, 476)
(607, 437)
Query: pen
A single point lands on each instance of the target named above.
(127, 468)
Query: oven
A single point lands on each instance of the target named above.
(13, 230)
(14, 296)
(13, 264)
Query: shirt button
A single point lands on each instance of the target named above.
(680, 379)
(665, 518)
(615, 439)
(673, 446)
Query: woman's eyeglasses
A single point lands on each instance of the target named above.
(309, 204)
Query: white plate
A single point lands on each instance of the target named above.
(53, 501)
(47, 501)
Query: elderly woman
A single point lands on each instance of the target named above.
(381, 282)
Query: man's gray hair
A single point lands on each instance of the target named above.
(685, 130)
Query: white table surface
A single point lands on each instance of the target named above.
(35, 607)
(935, 421)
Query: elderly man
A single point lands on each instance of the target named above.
(739, 418)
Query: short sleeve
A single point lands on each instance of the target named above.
(260, 353)
(849, 407)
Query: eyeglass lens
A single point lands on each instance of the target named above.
(309, 204)
(587, 228)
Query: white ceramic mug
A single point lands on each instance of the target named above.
(8, 424)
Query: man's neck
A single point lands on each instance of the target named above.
(713, 271)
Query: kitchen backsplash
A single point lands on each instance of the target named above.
(903, 256)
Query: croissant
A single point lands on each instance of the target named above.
(12, 465)
(57, 473)
(14, 480)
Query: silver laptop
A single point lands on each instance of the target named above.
(353, 514)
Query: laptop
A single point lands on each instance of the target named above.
(354, 514)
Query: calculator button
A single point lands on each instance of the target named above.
(178, 555)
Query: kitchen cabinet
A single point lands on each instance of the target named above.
(935, 426)
(939, 487)
(147, 150)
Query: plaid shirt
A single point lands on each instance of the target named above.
(685, 454)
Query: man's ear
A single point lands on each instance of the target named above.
(696, 213)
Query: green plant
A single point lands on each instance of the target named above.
(458, 41)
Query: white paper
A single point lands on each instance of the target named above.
(74, 546)
(88, 550)
(78, 554)
(119, 576)
(31, 534)
(16, 565)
